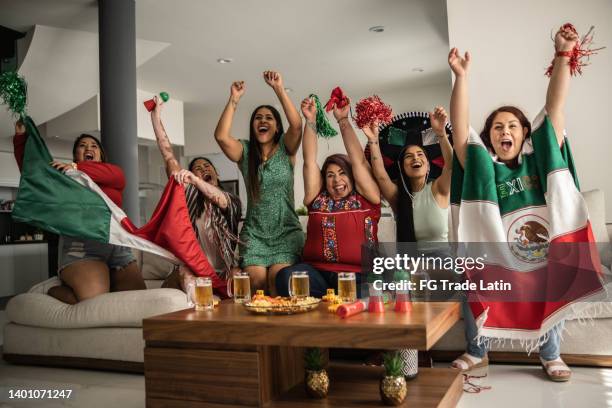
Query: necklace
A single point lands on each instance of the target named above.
(265, 157)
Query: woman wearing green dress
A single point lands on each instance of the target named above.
(271, 237)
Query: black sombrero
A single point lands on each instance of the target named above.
(410, 128)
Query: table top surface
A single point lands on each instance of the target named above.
(232, 324)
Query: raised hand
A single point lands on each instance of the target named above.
(159, 102)
(371, 131)
(309, 109)
(341, 113)
(61, 166)
(458, 64)
(438, 119)
(19, 128)
(565, 39)
(184, 177)
(274, 79)
(237, 90)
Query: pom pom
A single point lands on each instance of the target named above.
(581, 50)
(13, 93)
(370, 110)
(337, 98)
(324, 128)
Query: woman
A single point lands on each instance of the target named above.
(420, 205)
(90, 268)
(214, 213)
(343, 203)
(507, 137)
(271, 237)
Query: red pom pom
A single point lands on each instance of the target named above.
(370, 110)
(581, 50)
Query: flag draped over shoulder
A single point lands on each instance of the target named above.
(72, 204)
(533, 224)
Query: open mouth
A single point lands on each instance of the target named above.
(416, 165)
(263, 129)
(88, 156)
(207, 178)
(506, 145)
(340, 189)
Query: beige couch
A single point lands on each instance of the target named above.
(104, 332)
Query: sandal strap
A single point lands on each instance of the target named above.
(465, 362)
(555, 365)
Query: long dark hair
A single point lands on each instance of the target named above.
(255, 150)
(405, 215)
(83, 136)
(485, 135)
(342, 161)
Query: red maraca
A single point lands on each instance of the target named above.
(150, 104)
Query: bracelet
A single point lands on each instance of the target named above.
(563, 54)
(312, 125)
(371, 142)
(341, 119)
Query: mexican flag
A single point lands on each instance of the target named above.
(531, 225)
(72, 204)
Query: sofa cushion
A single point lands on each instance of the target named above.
(155, 267)
(116, 309)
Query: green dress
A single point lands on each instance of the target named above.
(271, 233)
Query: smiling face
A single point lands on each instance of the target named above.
(507, 136)
(204, 170)
(264, 125)
(415, 162)
(87, 149)
(337, 183)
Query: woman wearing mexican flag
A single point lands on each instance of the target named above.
(515, 193)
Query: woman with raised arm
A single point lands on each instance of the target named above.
(511, 177)
(89, 268)
(343, 204)
(420, 205)
(271, 237)
(214, 213)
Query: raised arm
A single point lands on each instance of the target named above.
(230, 146)
(163, 142)
(441, 186)
(364, 181)
(293, 136)
(213, 193)
(387, 187)
(312, 172)
(459, 106)
(558, 87)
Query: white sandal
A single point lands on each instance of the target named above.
(470, 366)
(556, 370)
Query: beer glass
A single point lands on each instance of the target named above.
(299, 285)
(241, 283)
(203, 294)
(347, 287)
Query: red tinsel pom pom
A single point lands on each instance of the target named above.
(370, 110)
(581, 50)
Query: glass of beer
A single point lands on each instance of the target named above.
(203, 294)
(241, 291)
(347, 287)
(299, 285)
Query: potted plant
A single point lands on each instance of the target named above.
(317, 380)
(393, 384)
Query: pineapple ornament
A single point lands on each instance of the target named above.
(317, 380)
(393, 385)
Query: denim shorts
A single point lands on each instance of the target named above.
(73, 250)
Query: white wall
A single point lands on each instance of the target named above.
(200, 124)
(511, 47)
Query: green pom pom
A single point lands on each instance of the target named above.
(324, 128)
(13, 93)
(164, 95)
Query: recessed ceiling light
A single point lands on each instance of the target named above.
(225, 60)
(377, 29)
(418, 69)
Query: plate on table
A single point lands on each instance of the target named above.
(281, 305)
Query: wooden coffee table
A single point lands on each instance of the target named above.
(232, 357)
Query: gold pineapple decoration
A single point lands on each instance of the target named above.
(317, 380)
(393, 384)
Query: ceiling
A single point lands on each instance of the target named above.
(317, 44)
